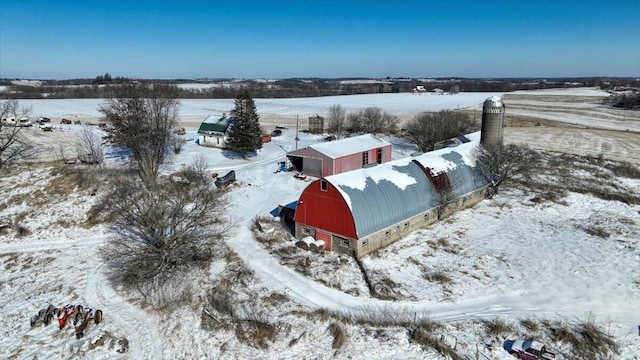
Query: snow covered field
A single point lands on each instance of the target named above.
(196, 110)
(514, 257)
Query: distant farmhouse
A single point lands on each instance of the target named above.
(334, 157)
(214, 130)
(359, 209)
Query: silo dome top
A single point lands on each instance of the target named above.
(493, 103)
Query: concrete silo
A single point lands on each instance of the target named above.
(492, 130)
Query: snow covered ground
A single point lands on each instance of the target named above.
(198, 109)
(512, 258)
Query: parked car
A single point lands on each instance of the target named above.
(25, 122)
(46, 127)
(65, 121)
(528, 350)
(281, 127)
(276, 132)
(43, 119)
(179, 131)
(44, 316)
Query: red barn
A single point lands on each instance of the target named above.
(360, 211)
(334, 157)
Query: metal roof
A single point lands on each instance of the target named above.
(339, 148)
(213, 124)
(389, 193)
(384, 195)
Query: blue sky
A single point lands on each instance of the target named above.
(282, 39)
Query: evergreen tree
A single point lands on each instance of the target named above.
(245, 134)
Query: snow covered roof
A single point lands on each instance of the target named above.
(215, 124)
(339, 148)
(439, 161)
(386, 194)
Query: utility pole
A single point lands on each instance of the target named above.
(297, 138)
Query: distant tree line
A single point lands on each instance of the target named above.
(99, 87)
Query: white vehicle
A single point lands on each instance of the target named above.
(23, 121)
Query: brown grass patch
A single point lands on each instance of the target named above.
(439, 277)
(597, 231)
(497, 327)
(255, 333)
(530, 324)
(427, 339)
(276, 299)
(339, 335)
(588, 341)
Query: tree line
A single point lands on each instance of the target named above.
(102, 85)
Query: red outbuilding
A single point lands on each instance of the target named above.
(335, 157)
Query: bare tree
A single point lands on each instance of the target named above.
(371, 118)
(89, 147)
(143, 116)
(354, 122)
(196, 172)
(426, 129)
(336, 119)
(13, 144)
(505, 164)
(161, 230)
(390, 122)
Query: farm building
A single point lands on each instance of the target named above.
(213, 131)
(360, 211)
(334, 157)
(316, 124)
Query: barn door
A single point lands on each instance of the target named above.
(326, 237)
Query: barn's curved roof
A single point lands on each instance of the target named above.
(389, 193)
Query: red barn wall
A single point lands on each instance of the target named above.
(325, 210)
(354, 161)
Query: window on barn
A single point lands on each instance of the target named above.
(365, 242)
(306, 231)
(379, 156)
(345, 242)
(323, 185)
(365, 158)
(406, 224)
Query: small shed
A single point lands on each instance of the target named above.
(316, 124)
(213, 131)
(329, 158)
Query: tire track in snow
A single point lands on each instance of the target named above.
(54, 245)
(144, 338)
(314, 295)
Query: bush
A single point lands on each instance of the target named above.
(160, 231)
